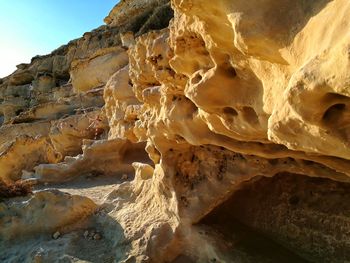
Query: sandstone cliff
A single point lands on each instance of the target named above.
(183, 131)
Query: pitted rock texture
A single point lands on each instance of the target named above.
(220, 136)
(46, 211)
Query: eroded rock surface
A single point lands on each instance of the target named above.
(220, 136)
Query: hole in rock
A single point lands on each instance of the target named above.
(333, 112)
(336, 119)
(179, 138)
(196, 79)
(250, 115)
(62, 79)
(229, 70)
(232, 72)
(285, 218)
(136, 153)
(230, 111)
(18, 112)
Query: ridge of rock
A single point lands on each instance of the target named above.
(185, 131)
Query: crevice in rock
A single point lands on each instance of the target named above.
(1, 118)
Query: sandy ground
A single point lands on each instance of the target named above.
(95, 187)
(73, 246)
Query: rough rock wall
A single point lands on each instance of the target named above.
(58, 97)
(242, 109)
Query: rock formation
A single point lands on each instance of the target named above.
(184, 131)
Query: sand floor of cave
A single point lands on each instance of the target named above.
(93, 187)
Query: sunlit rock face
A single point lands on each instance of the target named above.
(220, 135)
(96, 70)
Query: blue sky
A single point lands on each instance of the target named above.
(36, 27)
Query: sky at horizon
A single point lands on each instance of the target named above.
(37, 27)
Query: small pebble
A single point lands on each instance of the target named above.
(56, 235)
(125, 177)
(86, 234)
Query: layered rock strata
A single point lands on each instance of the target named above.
(233, 117)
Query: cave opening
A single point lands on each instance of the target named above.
(136, 153)
(285, 218)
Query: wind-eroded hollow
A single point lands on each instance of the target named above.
(249, 115)
(229, 111)
(333, 112)
(287, 218)
(336, 119)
